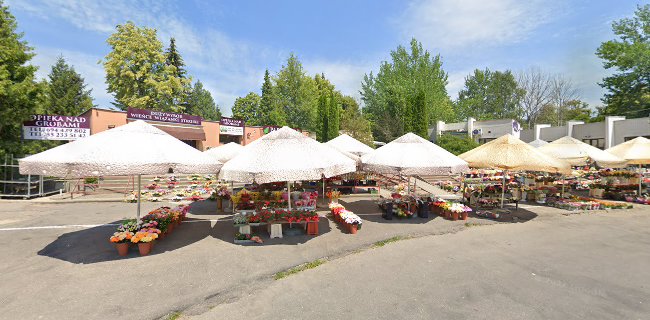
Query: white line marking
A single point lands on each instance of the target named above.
(83, 226)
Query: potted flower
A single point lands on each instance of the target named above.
(121, 241)
(144, 239)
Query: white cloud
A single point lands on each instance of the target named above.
(461, 24)
(456, 82)
(346, 76)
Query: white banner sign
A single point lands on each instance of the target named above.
(232, 131)
(54, 133)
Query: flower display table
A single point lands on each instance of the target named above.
(345, 218)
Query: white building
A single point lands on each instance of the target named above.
(481, 131)
(614, 130)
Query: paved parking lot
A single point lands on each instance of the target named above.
(73, 272)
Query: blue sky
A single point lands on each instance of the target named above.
(229, 44)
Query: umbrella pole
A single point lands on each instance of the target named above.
(289, 194)
(139, 195)
(503, 188)
(323, 187)
(563, 182)
(640, 179)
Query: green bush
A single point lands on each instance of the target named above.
(456, 144)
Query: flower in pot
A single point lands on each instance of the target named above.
(144, 239)
(121, 241)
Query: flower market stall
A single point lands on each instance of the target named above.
(636, 152)
(411, 155)
(282, 156)
(134, 149)
(225, 152)
(348, 144)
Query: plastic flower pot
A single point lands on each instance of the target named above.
(145, 248)
(219, 204)
(312, 228)
(463, 215)
(352, 228)
(122, 248)
(454, 216)
(170, 228)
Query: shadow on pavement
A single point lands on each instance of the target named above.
(225, 231)
(368, 210)
(91, 245)
(515, 216)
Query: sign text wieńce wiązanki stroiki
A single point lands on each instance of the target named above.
(162, 116)
(53, 127)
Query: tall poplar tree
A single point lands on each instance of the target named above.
(267, 102)
(334, 117)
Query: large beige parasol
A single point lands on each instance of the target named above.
(286, 155)
(136, 148)
(635, 151)
(508, 153)
(538, 143)
(578, 153)
(226, 152)
(346, 143)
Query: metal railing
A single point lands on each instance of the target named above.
(15, 185)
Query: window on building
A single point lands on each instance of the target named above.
(484, 140)
(596, 142)
(111, 126)
(226, 138)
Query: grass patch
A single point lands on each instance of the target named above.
(296, 269)
(471, 224)
(174, 316)
(384, 242)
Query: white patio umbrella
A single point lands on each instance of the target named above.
(537, 143)
(346, 143)
(411, 155)
(578, 153)
(226, 152)
(136, 148)
(509, 153)
(635, 151)
(286, 155)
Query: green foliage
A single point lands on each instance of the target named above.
(334, 117)
(353, 123)
(573, 110)
(20, 95)
(200, 103)
(629, 88)
(384, 242)
(267, 102)
(300, 268)
(137, 72)
(456, 144)
(490, 95)
(66, 91)
(420, 122)
(173, 58)
(297, 96)
(247, 109)
(322, 132)
(387, 96)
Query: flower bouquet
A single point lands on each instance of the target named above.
(121, 241)
(144, 239)
(152, 186)
(333, 195)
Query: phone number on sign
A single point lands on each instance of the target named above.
(40, 133)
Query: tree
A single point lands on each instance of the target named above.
(629, 87)
(334, 117)
(387, 94)
(267, 102)
(456, 144)
(173, 58)
(562, 93)
(247, 108)
(322, 131)
(137, 73)
(200, 103)
(20, 95)
(537, 86)
(66, 91)
(488, 95)
(354, 123)
(297, 96)
(420, 122)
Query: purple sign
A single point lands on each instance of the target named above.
(161, 116)
(225, 121)
(52, 127)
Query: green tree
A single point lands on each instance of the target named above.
(387, 95)
(629, 87)
(173, 58)
(247, 108)
(200, 103)
(268, 101)
(490, 95)
(456, 144)
(322, 131)
(353, 123)
(420, 120)
(297, 96)
(137, 72)
(20, 95)
(66, 91)
(334, 117)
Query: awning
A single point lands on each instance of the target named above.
(184, 133)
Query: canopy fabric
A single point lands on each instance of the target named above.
(286, 155)
(410, 154)
(183, 133)
(348, 144)
(225, 152)
(538, 143)
(134, 148)
(352, 156)
(635, 151)
(509, 153)
(578, 153)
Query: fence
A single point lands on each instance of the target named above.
(16, 185)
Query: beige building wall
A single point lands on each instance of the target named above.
(102, 120)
